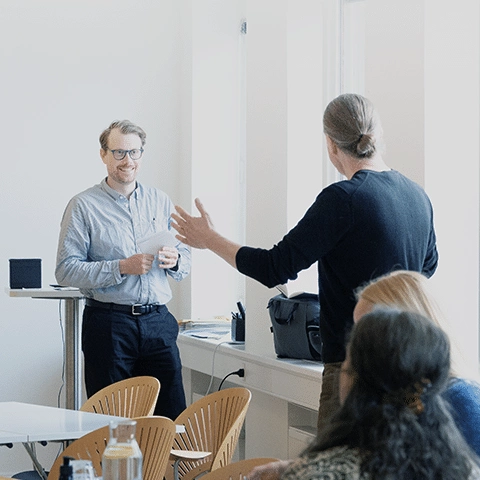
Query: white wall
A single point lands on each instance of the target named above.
(217, 172)
(422, 73)
(68, 70)
(394, 72)
(266, 208)
(452, 166)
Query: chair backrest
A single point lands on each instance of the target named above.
(212, 424)
(154, 436)
(237, 470)
(133, 397)
(89, 447)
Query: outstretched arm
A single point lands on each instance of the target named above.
(198, 232)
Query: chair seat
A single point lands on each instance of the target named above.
(185, 455)
(188, 454)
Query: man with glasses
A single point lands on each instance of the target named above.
(127, 329)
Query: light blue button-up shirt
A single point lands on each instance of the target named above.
(99, 228)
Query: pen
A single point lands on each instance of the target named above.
(241, 309)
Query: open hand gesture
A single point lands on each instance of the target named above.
(193, 231)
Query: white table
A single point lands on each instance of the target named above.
(39, 422)
(72, 297)
(27, 423)
(7, 437)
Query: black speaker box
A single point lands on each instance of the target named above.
(25, 273)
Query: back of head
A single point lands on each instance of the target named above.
(387, 352)
(404, 289)
(394, 413)
(351, 121)
(409, 290)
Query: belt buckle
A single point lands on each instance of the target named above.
(133, 309)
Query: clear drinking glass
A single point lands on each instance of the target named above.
(122, 459)
(82, 470)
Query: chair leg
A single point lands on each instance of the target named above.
(175, 469)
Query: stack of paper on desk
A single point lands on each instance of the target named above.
(216, 327)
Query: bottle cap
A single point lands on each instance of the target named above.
(66, 470)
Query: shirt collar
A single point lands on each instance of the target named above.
(116, 195)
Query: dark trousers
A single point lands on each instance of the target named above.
(118, 345)
(329, 396)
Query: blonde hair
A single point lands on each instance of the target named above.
(126, 127)
(404, 289)
(410, 291)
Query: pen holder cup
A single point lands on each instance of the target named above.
(238, 328)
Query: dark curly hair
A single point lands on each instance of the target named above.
(394, 413)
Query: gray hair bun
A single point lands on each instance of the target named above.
(352, 123)
(366, 145)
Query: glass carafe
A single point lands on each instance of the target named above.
(122, 459)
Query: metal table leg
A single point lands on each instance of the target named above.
(73, 377)
(38, 467)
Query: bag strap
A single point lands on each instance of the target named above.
(288, 319)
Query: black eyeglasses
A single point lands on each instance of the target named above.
(135, 154)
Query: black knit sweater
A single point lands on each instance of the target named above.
(356, 229)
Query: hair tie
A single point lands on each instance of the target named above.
(360, 138)
(410, 397)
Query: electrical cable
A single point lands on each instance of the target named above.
(240, 373)
(64, 360)
(213, 367)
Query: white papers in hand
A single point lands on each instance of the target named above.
(153, 243)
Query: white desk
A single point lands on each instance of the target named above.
(26, 423)
(40, 423)
(73, 377)
(7, 437)
(282, 415)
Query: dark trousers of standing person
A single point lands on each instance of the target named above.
(329, 396)
(119, 345)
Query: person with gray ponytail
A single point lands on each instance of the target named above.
(373, 222)
(354, 126)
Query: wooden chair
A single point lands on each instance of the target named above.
(212, 427)
(133, 397)
(237, 470)
(154, 436)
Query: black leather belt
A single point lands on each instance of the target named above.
(137, 309)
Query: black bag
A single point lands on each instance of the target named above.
(296, 326)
